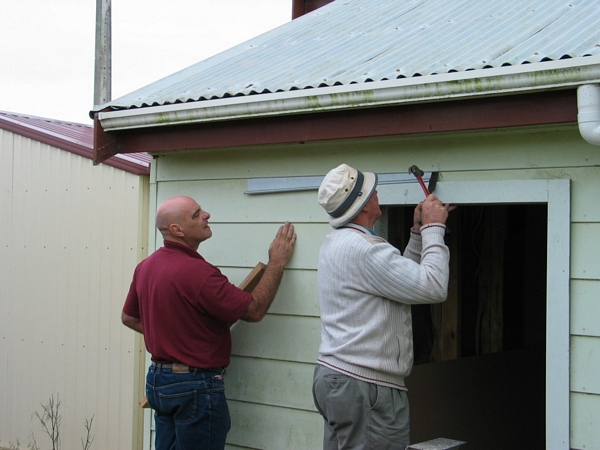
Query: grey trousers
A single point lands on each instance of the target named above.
(360, 415)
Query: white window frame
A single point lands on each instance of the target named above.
(556, 194)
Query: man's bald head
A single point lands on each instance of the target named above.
(172, 211)
(180, 219)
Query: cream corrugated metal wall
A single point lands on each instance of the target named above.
(71, 234)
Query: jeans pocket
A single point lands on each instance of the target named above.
(150, 398)
(181, 405)
(217, 384)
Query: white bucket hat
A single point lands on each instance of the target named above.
(344, 192)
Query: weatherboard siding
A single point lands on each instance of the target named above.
(269, 381)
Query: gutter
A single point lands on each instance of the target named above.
(526, 78)
(588, 112)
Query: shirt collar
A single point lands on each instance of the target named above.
(182, 247)
(360, 228)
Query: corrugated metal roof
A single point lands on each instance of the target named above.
(74, 137)
(358, 41)
(68, 131)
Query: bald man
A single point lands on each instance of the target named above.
(184, 306)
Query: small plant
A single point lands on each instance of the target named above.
(51, 420)
(89, 438)
(32, 442)
(17, 445)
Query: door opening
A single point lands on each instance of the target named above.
(479, 373)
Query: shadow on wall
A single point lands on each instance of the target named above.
(494, 401)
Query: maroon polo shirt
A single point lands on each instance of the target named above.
(186, 306)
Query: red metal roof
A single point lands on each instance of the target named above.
(72, 137)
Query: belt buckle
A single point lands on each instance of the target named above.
(180, 368)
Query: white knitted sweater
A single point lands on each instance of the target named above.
(365, 291)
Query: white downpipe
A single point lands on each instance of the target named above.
(588, 112)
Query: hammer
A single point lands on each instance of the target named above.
(418, 173)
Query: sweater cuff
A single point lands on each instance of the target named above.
(434, 225)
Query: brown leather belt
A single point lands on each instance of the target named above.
(183, 368)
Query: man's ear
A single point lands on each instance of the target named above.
(176, 229)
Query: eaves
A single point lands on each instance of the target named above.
(336, 112)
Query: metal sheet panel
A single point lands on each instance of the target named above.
(73, 137)
(358, 41)
(70, 234)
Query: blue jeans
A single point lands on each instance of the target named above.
(190, 409)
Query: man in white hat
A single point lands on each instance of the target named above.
(366, 288)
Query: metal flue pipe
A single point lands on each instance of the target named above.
(103, 58)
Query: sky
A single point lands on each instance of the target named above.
(47, 46)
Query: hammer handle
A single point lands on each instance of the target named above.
(420, 180)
